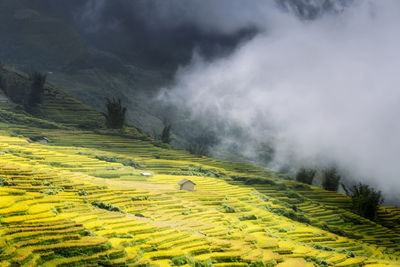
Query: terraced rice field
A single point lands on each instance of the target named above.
(82, 201)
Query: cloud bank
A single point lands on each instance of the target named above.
(323, 90)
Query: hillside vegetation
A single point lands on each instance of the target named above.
(79, 198)
(57, 109)
(33, 37)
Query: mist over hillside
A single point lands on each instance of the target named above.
(98, 49)
(314, 92)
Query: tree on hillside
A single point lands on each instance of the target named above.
(330, 179)
(365, 200)
(14, 88)
(3, 85)
(115, 115)
(35, 95)
(166, 134)
(305, 175)
(200, 145)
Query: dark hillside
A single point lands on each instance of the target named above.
(31, 39)
(57, 106)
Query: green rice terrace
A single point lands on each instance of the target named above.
(75, 197)
(81, 200)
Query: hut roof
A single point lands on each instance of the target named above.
(184, 181)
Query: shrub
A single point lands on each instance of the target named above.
(90, 125)
(139, 198)
(334, 229)
(57, 164)
(263, 197)
(194, 170)
(293, 215)
(365, 200)
(319, 262)
(228, 209)
(130, 163)
(301, 187)
(318, 246)
(125, 162)
(115, 116)
(106, 206)
(179, 260)
(330, 179)
(202, 263)
(4, 182)
(305, 175)
(257, 264)
(82, 192)
(106, 158)
(248, 217)
(158, 143)
(348, 219)
(292, 194)
(80, 251)
(166, 134)
(51, 191)
(186, 212)
(281, 187)
(303, 219)
(252, 180)
(47, 183)
(203, 171)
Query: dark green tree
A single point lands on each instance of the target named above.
(365, 200)
(14, 89)
(35, 95)
(330, 179)
(200, 145)
(115, 115)
(3, 85)
(166, 134)
(305, 175)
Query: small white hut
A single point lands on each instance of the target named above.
(186, 184)
(44, 140)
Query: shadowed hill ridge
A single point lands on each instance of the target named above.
(57, 106)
